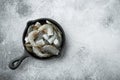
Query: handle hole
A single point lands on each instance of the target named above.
(15, 63)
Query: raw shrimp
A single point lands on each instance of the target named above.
(50, 49)
(50, 40)
(48, 28)
(37, 51)
(31, 37)
(37, 24)
(30, 29)
(40, 42)
(57, 40)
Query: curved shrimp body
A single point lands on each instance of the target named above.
(50, 49)
(37, 51)
(50, 40)
(32, 36)
(57, 39)
(48, 28)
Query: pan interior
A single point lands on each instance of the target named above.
(43, 21)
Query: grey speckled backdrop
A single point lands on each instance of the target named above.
(92, 50)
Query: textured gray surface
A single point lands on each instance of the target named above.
(92, 50)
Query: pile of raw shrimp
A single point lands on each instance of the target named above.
(43, 40)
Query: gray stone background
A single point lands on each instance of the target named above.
(92, 49)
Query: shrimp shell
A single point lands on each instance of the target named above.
(37, 51)
(50, 49)
(30, 29)
(50, 40)
(48, 28)
(58, 32)
(31, 37)
(37, 24)
(40, 42)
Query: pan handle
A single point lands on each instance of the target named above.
(17, 61)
